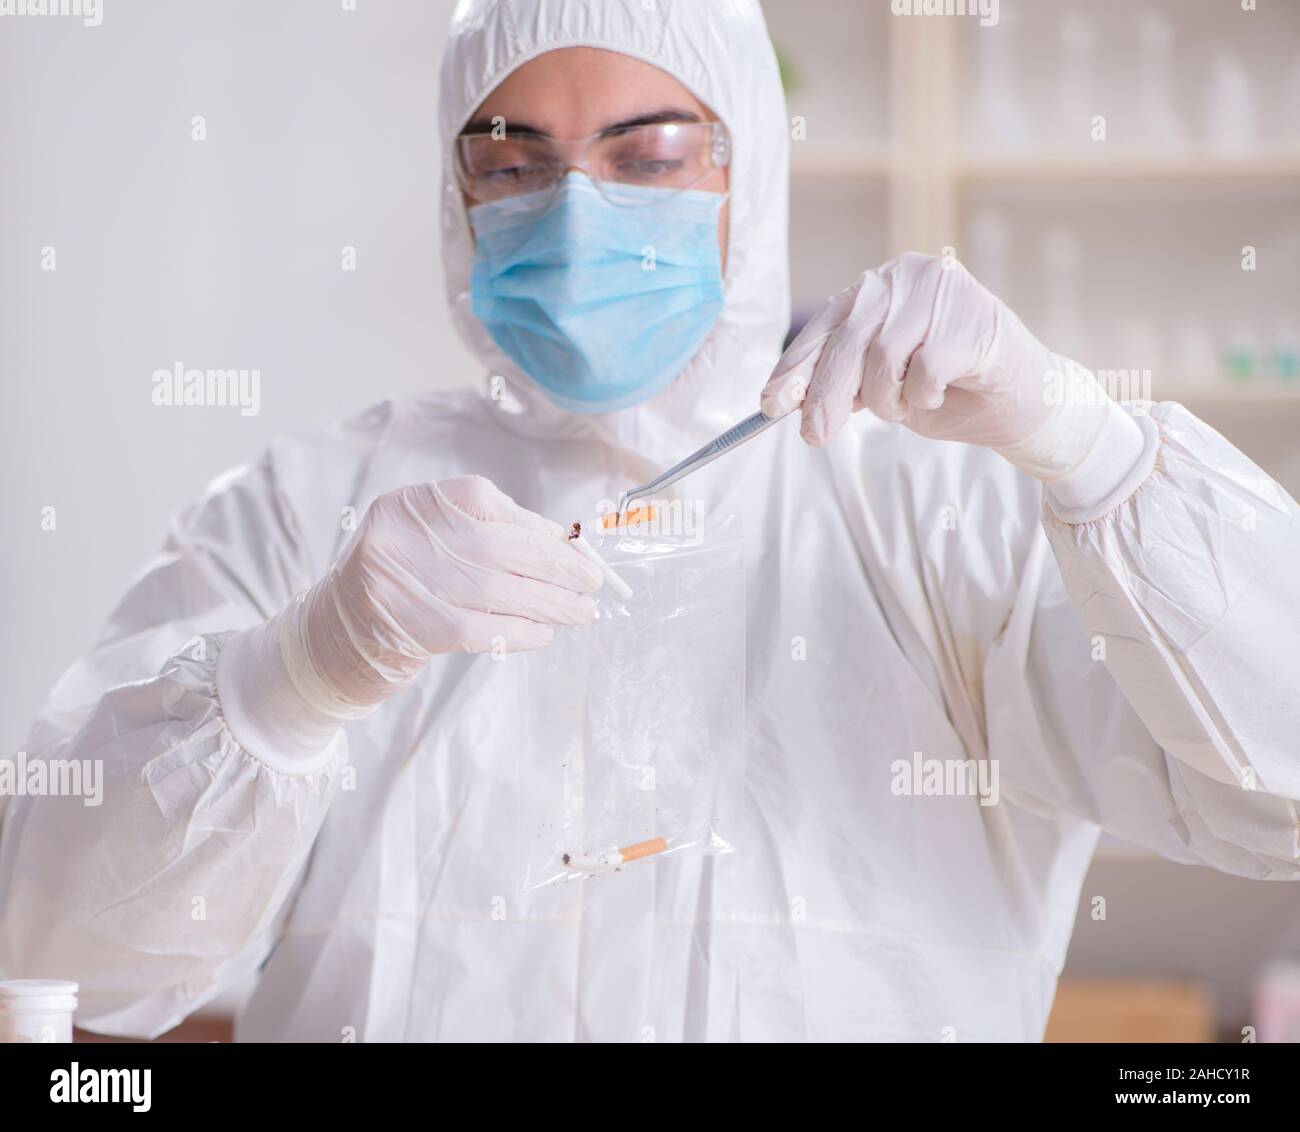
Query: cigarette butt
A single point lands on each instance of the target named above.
(613, 519)
(643, 849)
(621, 589)
(604, 862)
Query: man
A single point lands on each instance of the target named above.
(1119, 644)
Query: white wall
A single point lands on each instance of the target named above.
(321, 132)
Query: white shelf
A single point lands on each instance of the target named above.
(827, 164)
(824, 164)
(1263, 391)
(1129, 167)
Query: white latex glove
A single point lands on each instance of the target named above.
(920, 342)
(452, 566)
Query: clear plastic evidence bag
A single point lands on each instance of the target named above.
(632, 728)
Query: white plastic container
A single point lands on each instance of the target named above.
(37, 1010)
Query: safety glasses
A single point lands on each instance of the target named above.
(675, 156)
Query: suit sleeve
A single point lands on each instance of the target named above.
(167, 881)
(1146, 679)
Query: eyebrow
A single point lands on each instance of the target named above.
(654, 118)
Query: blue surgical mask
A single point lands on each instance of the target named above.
(601, 304)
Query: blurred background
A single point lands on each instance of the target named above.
(1124, 173)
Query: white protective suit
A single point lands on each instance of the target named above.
(940, 607)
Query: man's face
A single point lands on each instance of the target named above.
(578, 92)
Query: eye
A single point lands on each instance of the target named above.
(507, 161)
(650, 167)
(512, 173)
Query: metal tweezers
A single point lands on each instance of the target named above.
(735, 436)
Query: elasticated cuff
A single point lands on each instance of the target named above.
(1123, 456)
(264, 711)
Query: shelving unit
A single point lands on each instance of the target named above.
(920, 179)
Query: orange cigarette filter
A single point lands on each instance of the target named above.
(643, 849)
(614, 858)
(628, 518)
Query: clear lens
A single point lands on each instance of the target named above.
(670, 155)
(492, 168)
